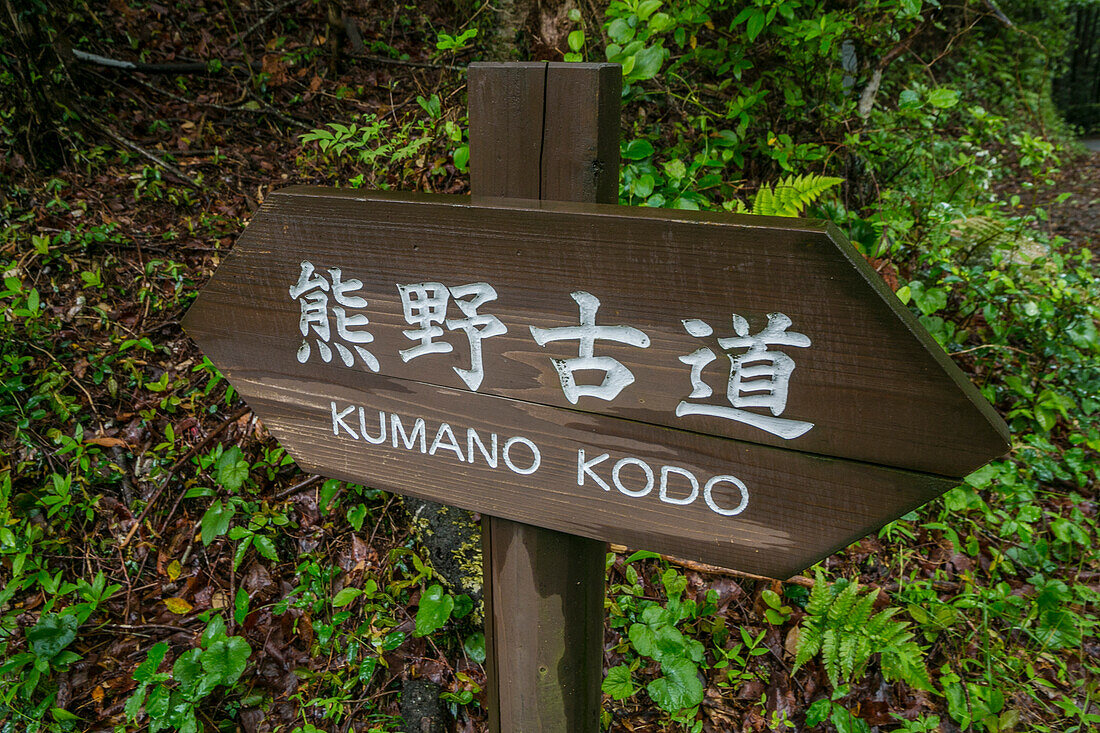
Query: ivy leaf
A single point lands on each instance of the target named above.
(679, 688)
(225, 660)
(231, 470)
(215, 522)
(618, 683)
(434, 611)
(356, 515)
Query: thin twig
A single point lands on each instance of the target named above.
(700, 567)
(161, 163)
(297, 487)
(185, 67)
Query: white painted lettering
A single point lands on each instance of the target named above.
(665, 471)
(451, 444)
(338, 420)
(632, 462)
(396, 428)
(536, 456)
(472, 437)
(585, 467)
(381, 427)
(708, 495)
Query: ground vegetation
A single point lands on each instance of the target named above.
(164, 565)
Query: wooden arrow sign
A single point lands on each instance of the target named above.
(739, 390)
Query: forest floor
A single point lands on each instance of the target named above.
(130, 241)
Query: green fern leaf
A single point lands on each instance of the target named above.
(848, 653)
(819, 596)
(809, 643)
(765, 204)
(862, 611)
(830, 652)
(842, 605)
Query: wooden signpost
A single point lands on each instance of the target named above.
(743, 391)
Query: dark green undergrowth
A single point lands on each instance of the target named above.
(248, 597)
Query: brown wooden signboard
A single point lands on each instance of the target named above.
(738, 390)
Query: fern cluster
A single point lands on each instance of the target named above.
(841, 625)
(789, 197)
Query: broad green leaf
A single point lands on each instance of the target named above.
(943, 98)
(647, 63)
(156, 706)
(225, 660)
(679, 688)
(134, 703)
(214, 630)
(187, 672)
(475, 647)
(51, 634)
(265, 547)
(434, 610)
(215, 522)
(637, 149)
(346, 596)
(755, 24)
(618, 683)
(231, 470)
(148, 668)
(576, 40)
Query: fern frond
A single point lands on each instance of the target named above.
(848, 653)
(842, 604)
(791, 195)
(906, 663)
(809, 643)
(830, 654)
(819, 596)
(862, 611)
(878, 623)
(765, 204)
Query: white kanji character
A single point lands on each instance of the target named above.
(310, 291)
(616, 376)
(345, 323)
(477, 327)
(758, 377)
(425, 304)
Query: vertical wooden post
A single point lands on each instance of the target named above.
(549, 131)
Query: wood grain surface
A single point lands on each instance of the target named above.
(543, 590)
(894, 420)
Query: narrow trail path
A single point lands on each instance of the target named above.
(1078, 217)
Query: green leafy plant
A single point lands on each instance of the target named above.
(655, 635)
(841, 625)
(169, 700)
(788, 197)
